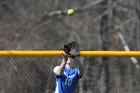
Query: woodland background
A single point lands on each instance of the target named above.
(44, 25)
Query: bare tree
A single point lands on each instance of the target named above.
(137, 33)
(105, 38)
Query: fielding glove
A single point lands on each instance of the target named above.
(72, 49)
(66, 48)
(75, 51)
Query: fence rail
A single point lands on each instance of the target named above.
(57, 53)
(32, 71)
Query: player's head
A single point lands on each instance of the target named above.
(70, 60)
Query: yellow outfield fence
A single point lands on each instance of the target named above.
(57, 53)
(31, 71)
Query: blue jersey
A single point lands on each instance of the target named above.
(67, 82)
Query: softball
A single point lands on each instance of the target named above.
(71, 12)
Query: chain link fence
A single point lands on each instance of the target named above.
(35, 75)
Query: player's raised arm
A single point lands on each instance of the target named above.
(75, 51)
(60, 69)
(79, 65)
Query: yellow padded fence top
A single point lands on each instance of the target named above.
(57, 53)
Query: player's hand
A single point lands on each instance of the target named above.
(65, 56)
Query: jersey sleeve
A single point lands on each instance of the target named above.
(54, 71)
(79, 76)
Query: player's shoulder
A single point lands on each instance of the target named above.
(74, 69)
(55, 68)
